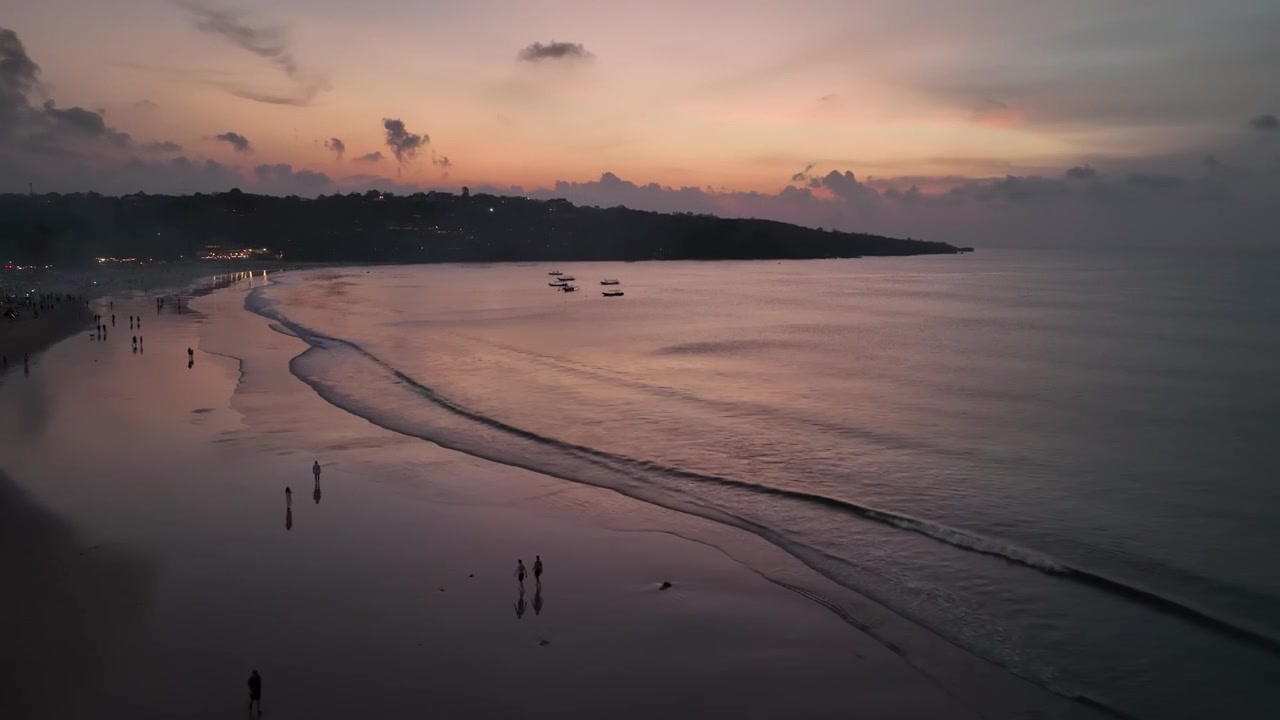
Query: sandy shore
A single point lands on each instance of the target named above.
(387, 590)
(29, 335)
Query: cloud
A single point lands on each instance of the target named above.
(537, 52)
(267, 42)
(236, 140)
(843, 185)
(338, 147)
(372, 157)
(1265, 123)
(45, 130)
(87, 123)
(1081, 172)
(163, 147)
(803, 175)
(404, 144)
(282, 179)
(441, 160)
(19, 74)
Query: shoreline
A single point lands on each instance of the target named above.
(394, 585)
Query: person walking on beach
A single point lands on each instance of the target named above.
(520, 572)
(315, 470)
(191, 355)
(537, 569)
(288, 497)
(255, 693)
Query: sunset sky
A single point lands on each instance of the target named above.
(902, 116)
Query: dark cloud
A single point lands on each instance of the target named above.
(235, 140)
(404, 144)
(441, 160)
(1265, 123)
(87, 123)
(803, 175)
(19, 74)
(338, 147)
(267, 42)
(843, 185)
(829, 98)
(163, 147)
(372, 157)
(45, 130)
(553, 50)
(282, 179)
(1081, 172)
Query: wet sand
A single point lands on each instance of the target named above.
(390, 592)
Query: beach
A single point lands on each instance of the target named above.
(155, 486)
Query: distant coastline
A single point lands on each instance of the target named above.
(76, 229)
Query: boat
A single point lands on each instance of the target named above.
(612, 293)
(555, 272)
(609, 282)
(558, 283)
(567, 278)
(569, 288)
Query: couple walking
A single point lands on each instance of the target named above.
(521, 573)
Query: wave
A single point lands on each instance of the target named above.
(645, 471)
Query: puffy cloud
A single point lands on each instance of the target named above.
(372, 157)
(338, 147)
(1265, 123)
(404, 144)
(85, 122)
(45, 130)
(553, 50)
(235, 140)
(266, 42)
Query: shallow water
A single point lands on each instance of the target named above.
(1059, 461)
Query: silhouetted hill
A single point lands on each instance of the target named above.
(430, 227)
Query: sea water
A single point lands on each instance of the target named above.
(1064, 462)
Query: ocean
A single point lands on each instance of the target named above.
(1063, 462)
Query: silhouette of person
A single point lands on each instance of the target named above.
(537, 569)
(520, 604)
(113, 319)
(537, 600)
(255, 693)
(191, 354)
(315, 470)
(520, 573)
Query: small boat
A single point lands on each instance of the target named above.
(609, 282)
(567, 278)
(555, 272)
(612, 293)
(558, 283)
(569, 288)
